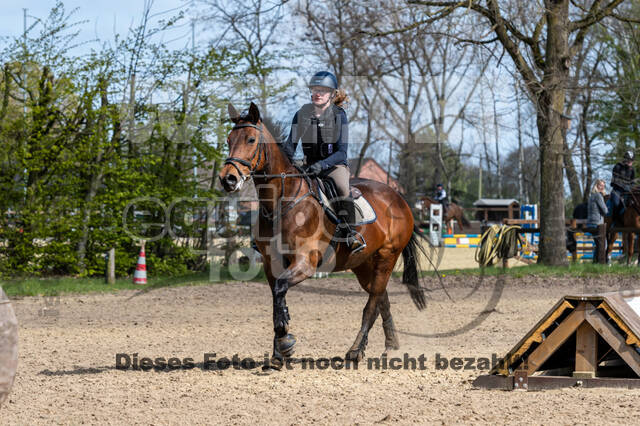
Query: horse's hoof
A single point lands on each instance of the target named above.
(274, 364)
(354, 355)
(285, 345)
(392, 345)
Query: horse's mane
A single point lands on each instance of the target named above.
(277, 129)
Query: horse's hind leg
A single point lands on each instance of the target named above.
(373, 277)
(390, 337)
(369, 315)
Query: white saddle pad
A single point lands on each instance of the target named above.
(364, 212)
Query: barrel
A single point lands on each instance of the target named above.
(8, 346)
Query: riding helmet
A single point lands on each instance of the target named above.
(628, 155)
(324, 79)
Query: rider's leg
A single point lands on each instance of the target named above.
(448, 223)
(345, 207)
(596, 241)
(616, 205)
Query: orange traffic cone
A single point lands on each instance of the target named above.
(140, 276)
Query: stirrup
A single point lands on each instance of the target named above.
(356, 242)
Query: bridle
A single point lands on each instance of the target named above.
(258, 153)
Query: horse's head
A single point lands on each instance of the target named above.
(247, 149)
(427, 201)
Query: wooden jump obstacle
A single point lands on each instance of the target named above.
(576, 225)
(588, 340)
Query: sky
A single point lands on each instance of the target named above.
(105, 18)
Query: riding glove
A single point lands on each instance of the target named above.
(314, 169)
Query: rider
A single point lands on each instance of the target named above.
(441, 197)
(621, 181)
(323, 127)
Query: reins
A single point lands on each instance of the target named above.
(262, 147)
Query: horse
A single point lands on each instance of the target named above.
(630, 219)
(295, 237)
(453, 212)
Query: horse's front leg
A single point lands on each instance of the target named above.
(283, 341)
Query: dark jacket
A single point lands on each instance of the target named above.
(581, 211)
(597, 210)
(324, 139)
(441, 196)
(622, 177)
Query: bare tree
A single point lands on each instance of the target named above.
(252, 29)
(332, 31)
(542, 50)
(451, 74)
(404, 84)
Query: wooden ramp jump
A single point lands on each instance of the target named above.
(588, 340)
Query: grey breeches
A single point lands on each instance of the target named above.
(340, 175)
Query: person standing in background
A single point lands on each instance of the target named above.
(597, 210)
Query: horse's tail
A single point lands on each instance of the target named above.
(410, 274)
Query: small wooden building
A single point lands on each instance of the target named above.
(370, 169)
(496, 209)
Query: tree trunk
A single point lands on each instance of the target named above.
(586, 139)
(131, 117)
(96, 177)
(441, 172)
(572, 175)
(408, 170)
(496, 131)
(96, 181)
(552, 249)
(521, 197)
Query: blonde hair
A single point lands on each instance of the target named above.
(341, 98)
(594, 188)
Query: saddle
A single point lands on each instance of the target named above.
(327, 193)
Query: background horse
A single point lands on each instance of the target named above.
(453, 212)
(294, 234)
(630, 219)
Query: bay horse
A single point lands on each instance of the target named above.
(296, 237)
(453, 212)
(630, 219)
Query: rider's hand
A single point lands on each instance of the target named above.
(314, 169)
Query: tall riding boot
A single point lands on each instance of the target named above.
(347, 216)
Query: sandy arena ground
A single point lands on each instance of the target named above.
(67, 373)
(453, 258)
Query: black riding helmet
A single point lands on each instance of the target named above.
(628, 155)
(324, 79)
